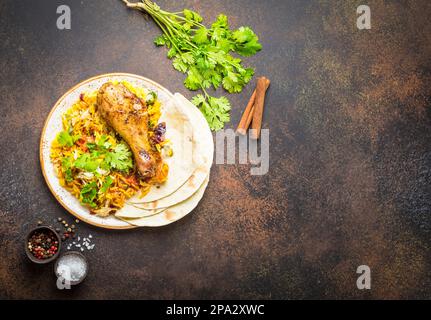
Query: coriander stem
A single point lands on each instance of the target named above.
(187, 20)
(205, 92)
(170, 36)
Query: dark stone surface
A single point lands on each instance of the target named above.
(349, 181)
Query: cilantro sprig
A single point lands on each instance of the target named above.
(204, 55)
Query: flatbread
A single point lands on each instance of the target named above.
(131, 211)
(203, 153)
(179, 131)
(173, 213)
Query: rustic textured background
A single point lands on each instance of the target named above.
(349, 182)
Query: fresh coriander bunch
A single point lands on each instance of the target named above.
(204, 55)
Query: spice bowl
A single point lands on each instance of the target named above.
(77, 265)
(49, 242)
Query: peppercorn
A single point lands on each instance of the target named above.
(43, 244)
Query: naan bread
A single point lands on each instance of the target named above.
(173, 213)
(203, 153)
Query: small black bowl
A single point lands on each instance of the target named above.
(31, 256)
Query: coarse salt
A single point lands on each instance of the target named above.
(81, 244)
(71, 267)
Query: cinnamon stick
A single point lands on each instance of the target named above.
(248, 114)
(249, 118)
(259, 104)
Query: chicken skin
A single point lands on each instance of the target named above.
(128, 116)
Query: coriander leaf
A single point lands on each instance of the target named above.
(219, 34)
(88, 194)
(217, 57)
(201, 36)
(91, 146)
(194, 79)
(179, 65)
(221, 22)
(243, 35)
(123, 150)
(216, 79)
(66, 164)
(87, 162)
(249, 48)
(215, 110)
(210, 77)
(198, 99)
(106, 184)
(232, 82)
(203, 63)
(224, 45)
(103, 142)
(160, 41)
(65, 139)
(151, 98)
(172, 52)
(120, 158)
(68, 175)
(104, 165)
(246, 41)
(187, 26)
(191, 15)
(188, 58)
(247, 74)
(206, 83)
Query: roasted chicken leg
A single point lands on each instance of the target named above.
(128, 116)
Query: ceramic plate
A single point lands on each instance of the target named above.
(53, 126)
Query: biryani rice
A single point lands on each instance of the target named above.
(83, 122)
